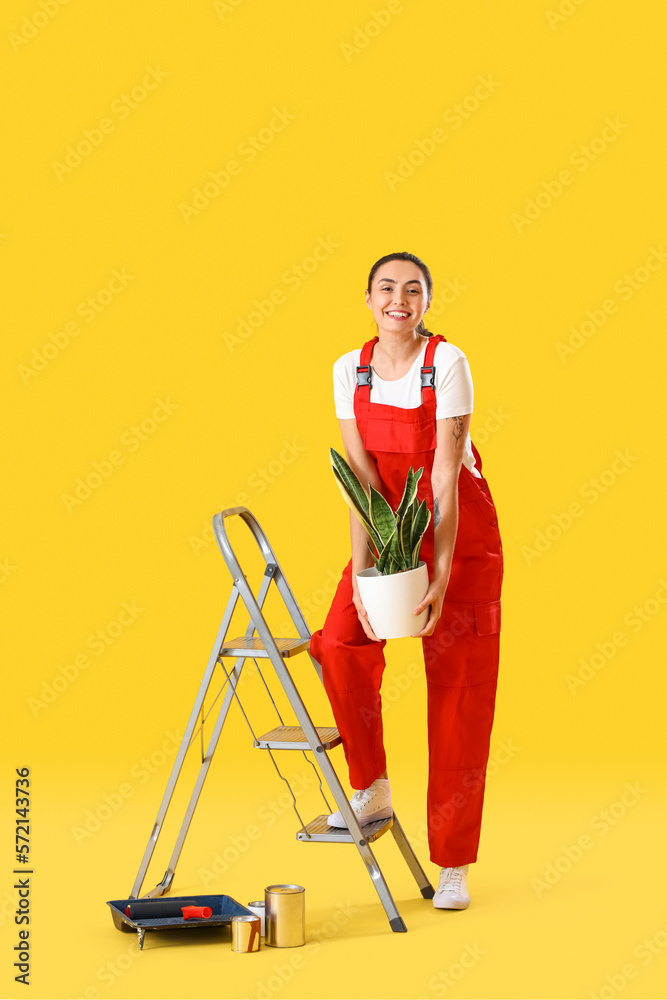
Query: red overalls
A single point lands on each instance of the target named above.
(461, 657)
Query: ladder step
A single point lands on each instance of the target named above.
(293, 738)
(254, 648)
(321, 832)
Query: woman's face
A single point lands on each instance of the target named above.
(398, 297)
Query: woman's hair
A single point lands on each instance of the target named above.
(404, 255)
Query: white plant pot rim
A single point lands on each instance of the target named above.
(390, 600)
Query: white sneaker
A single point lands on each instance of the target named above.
(452, 892)
(369, 804)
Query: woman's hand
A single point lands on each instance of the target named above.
(363, 614)
(434, 597)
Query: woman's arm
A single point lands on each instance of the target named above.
(365, 469)
(452, 433)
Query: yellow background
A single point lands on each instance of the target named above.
(355, 100)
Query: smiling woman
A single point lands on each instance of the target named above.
(404, 399)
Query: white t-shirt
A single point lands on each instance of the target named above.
(453, 388)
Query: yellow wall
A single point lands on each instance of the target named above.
(168, 341)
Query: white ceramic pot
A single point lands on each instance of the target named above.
(390, 600)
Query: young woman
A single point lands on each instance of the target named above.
(404, 400)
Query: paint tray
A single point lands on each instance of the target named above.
(223, 907)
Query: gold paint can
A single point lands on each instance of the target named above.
(246, 933)
(285, 916)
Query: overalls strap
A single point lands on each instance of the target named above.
(364, 367)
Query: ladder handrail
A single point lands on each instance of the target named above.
(254, 525)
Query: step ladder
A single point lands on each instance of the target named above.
(304, 737)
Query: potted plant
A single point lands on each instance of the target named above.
(392, 588)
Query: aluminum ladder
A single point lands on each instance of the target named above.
(304, 737)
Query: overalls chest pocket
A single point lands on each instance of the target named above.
(404, 431)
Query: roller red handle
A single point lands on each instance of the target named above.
(201, 912)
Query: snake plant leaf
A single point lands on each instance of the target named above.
(419, 525)
(360, 517)
(410, 491)
(396, 556)
(344, 473)
(415, 553)
(382, 516)
(385, 554)
(402, 561)
(354, 495)
(405, 527)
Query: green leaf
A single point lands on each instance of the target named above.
(419, 526)
(410, 491)
(346, 476)
(353, 494)
(396, 555)
(360, 517)
(405, 528)
(382, 516)
(384, 556)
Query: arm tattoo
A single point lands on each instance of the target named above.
(436, 512)
(457, 429)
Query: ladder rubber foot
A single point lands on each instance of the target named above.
(398, 925)
(428, 892)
